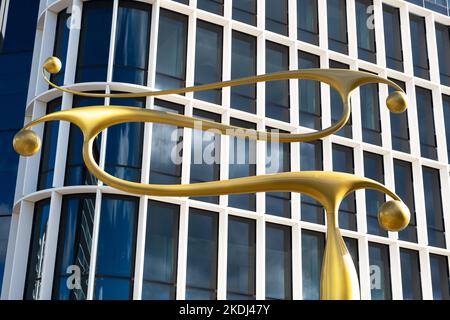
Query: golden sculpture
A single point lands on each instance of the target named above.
(339, 279)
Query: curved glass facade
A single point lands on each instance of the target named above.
(252, 246)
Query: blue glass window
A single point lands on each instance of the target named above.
(61, 44)
(243, 64)
(172, 47)
(277, 92)
(214, 6)
(277, 16)
(9, 160)
(352, 247)
(313, 247)
(370, 114)
(278, 262)
(49, 143)
(433, 207)
(412, 287)
(404, 188)
(166, 156)
(93, 52)
(337, 26)
(241, 267)
(116, 248)
(380, 275)
(74, 246)
(308, 21)
(440, 277)
(310, 113)
(419, 49)
(446, 107)
(337, 106)
(443, 48)
(374, 169)
(425, 115)
(343, 162)
(365, 30)
(208, 60)
(242, 164)
(76, 171)
(201, 274)
(161, 248)
(132, 42)
(399, 125)
(278, 159)
(245, 11)
(36, 250)
(392, 38)
(311, 158)
(5, 222)
(205, 154)
(124, 142)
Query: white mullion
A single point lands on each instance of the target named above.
(222, 256)
(72, 46)
(360, 195)
(433, 59)
(323, 23)
(190, 55)
(419, 197)
(406, 40)
(182, 252)
(94, 245)
(351, 30)
(379, 33)
(260, 258)
(48, 265)
(425, 275)
(140, 248)
(396, 272)
(297, 268)
(112, 41)
(364, 269)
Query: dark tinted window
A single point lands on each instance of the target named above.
(392, 38)
(419, 47)
(337, 106)
(313, 246)
(308, 21)
(310, 113)
(443, 48)
(374, 169)
(412, 287)
(337, 26)
(399, 126)
(245, 11)
(277, 16)
(425, 115)
(365, 29)
(439, 277)
(433, 207)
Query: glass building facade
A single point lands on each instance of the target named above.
(72, 237)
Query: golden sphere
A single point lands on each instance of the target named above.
(26, 143)
(397, 102)
(393, 215)
(52, 65)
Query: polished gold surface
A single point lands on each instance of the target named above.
(397, 102)
(52, 65)
(394, 215)
(26, 143)
(339, 279)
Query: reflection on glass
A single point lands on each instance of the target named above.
(404, 188)
(277, 92)
(439, 277)
(161, 246)
(36, 250)
(166, 156)
(374, 169)
(313, 246)
(365, 30)
(132, 40)
(242, 164)
(443, 48)
(61, 44)
(201, 274)
(116, 248)
(214, 6)
(74, 246)
(172, 47)
(311, 158)
(243, 64)
(308, 21)
(208, 60)
(425, 115)
(205, 154)
(380, 278)
(337, 26)
(337, 107)
(278, 262)
(93, 52)
(310, 113)
(392, 38)
(399, 125)
(278, 159)
(412, 288)
(419, 49)
(433, 207)
(370, 113)
(241, 267)
(49, 143)
(245, 11)
(446, 107)
(343, 162)
(277, 16)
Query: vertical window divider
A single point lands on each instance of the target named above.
(95, 229)
(222, 256)
(140, 248)
(112, 42)
(187, 140)
(439, 123)
(153, 46)
(445, 191)
(292, 20)
(51, 245)
(294, 108)
(396, 271)
(360, 195)
(190, 53)
(364, 268)
(226, 57)
(379, 34)
(182, 251)
(296, 260)
(351, 30)
(433, 58)
(260, 258)
(323, 24)
(413, 120)
(419, 196)
(425, 274)
(386, 131)
(406, 40)
(224, 157)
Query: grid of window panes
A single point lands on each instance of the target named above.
(252, 246)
